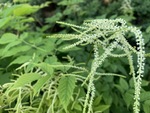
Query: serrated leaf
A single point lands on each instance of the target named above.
(10, 45)
(47, 45)
(7, 38)
(51, 59)
(16, 50)
(65, 89)
(20, 60)
(25, 79)
(38, 85)
(46, 68)
(123, 84)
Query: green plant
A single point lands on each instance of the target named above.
(108, 35)
(38, 75)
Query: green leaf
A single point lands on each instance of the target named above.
(144, 83)
(4, 21)
(25, 9)
(25, 79)
(148, 29)
(54, 18)
(123, 84)
(10, 45)
(122, 69)
(51, 60)
(97, 100)
(70, 2)
(7, 38)
(147, 102)
(4, 78)
(146, 108)
(107, 97)
(65, 89)
(20, 60)
(131, 83)
(7, 12)
(21, 1)
(29, 19)
(77, 106)
(16, 50)
(46, 68)
(145, 96)
(119, 88)
(48, 45)
(101, 108)
(128, 98)
(57, 65)
(38, 85)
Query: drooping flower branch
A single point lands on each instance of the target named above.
(109, 35)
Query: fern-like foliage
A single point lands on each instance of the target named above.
(109, 35)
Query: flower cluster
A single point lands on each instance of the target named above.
(109, 34)
(140, 61)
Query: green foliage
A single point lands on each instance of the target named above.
(24, 79)
(65, 90)
(40, 83)
(38, 75)
(95, 32)
(7, 38)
